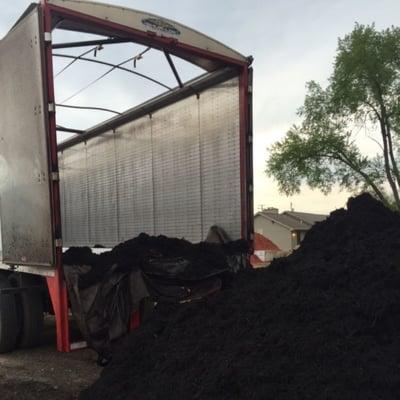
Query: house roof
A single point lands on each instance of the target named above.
(262, 243)
(286, 221)
(309, 218)
(255, 261)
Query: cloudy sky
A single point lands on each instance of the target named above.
(291, 41)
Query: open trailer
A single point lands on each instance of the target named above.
(174, 165)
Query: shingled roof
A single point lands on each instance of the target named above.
(286, 221)
(308, 218)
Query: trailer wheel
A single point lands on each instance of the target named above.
(8, 320)
(30, 309)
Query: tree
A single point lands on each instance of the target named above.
(364, 88)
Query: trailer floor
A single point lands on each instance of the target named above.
(43, 373)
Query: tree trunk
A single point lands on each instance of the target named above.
(366, 178)
(391, 153)
(388, 171)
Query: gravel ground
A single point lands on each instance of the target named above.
(43, 373)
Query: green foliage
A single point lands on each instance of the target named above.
(364, 88)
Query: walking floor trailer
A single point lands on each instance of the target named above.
(175, 165)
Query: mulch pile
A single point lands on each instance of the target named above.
(146, 252)
(323, 323)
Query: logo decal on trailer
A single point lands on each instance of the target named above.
(160, 25)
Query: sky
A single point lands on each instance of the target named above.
(292, 42)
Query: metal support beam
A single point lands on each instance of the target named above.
(89, 43)
(69, 130)
(88, 108)
(114, 66)
(172, 65)
(59, 299)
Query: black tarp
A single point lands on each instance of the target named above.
(106, 289)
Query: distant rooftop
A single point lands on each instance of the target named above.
(306, 217)
(293, 220)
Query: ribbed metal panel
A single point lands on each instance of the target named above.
(74, 195)
(134, 178)
(176, 169)
(62, 191)
(220, 157)
(102, 187)
(176, 172)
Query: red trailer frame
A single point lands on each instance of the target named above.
(50, 15)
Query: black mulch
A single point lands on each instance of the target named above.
(323, 323)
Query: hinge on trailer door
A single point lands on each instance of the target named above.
(47, 37)
(250, 88)
(55, 176)
(58, 242)
(52, 107)
(250, 188)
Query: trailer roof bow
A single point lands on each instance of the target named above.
(145, 28)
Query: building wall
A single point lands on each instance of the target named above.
(277, 233)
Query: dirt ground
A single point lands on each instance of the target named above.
(43, 373)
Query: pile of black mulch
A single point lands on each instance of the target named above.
(323, 323)
(158, 255)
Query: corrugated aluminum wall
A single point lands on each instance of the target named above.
(176, 173)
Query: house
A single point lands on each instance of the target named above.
(264, 251)
(285, 229)
(256, 262)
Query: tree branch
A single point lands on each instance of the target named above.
(390, 162)
(365, 176)
(391, 153)
(341, 157)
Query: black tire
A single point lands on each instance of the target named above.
(8, 320)
(30, 309)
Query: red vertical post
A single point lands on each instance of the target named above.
(246, 181)
(59, 299)
(135, 321)
(56, 284)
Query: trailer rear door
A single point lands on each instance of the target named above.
(25, 210)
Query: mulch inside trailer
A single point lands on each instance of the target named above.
(105, 289)
(321, 324)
